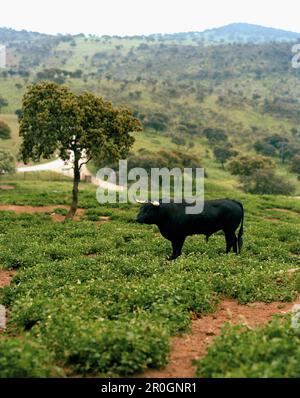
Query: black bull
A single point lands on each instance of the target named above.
(175, 225)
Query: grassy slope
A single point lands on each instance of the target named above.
(14, 95)
(153, 142)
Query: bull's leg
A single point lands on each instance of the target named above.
(231, 241)
(177, 247)
(234, 244)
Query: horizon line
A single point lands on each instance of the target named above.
(146, 34)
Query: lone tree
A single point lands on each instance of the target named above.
(78, 127)
(295, 165)
(223, 153)
(178, 141)
(215, 136)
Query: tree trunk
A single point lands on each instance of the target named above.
(76, 181)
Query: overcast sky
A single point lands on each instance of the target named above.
(129, 17)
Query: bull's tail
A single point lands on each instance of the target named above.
(241, 230)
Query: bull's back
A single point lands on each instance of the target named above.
(224, 214)
(216, 215)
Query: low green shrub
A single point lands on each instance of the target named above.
(22, 358)
(267, 352)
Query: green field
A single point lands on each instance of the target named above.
(101, 299)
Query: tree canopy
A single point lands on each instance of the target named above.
(246, 165)
(82, 126)
(267, 182)
(224, 152)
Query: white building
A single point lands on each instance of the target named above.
(2, 56)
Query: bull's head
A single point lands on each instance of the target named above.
(148, 213)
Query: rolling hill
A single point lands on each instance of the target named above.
(243, 32)
(177, 85)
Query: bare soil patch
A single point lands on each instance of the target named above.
(58, 217)
(294, 213)
(272, 219)
(292, 270)
(6, 187)
(5, 277)
(42, 209)
(186, 348)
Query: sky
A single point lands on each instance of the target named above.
(130, 17)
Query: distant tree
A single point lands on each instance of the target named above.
(5, 131)
(177, 140)
(286, 151)
(276, 140)
(294, 131)
(143, 46)
(54, 119)
(54, 74)
(157, 121)
(7, 162)
(295, 164)
(215, 136)
(135, 95)
(223, 153)
(266, 182)
(245, 165)
(191, 145)
(77, 73)
(276, 145)
(163, 158)
(3, 103)
(264, 148)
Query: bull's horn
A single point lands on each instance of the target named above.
(141, 202)
(155, 203)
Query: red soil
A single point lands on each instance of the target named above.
(5, 277)
(186, 348)
(42, 209)
(284, 211)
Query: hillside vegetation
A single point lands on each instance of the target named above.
(96, 296)
(178, 87)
